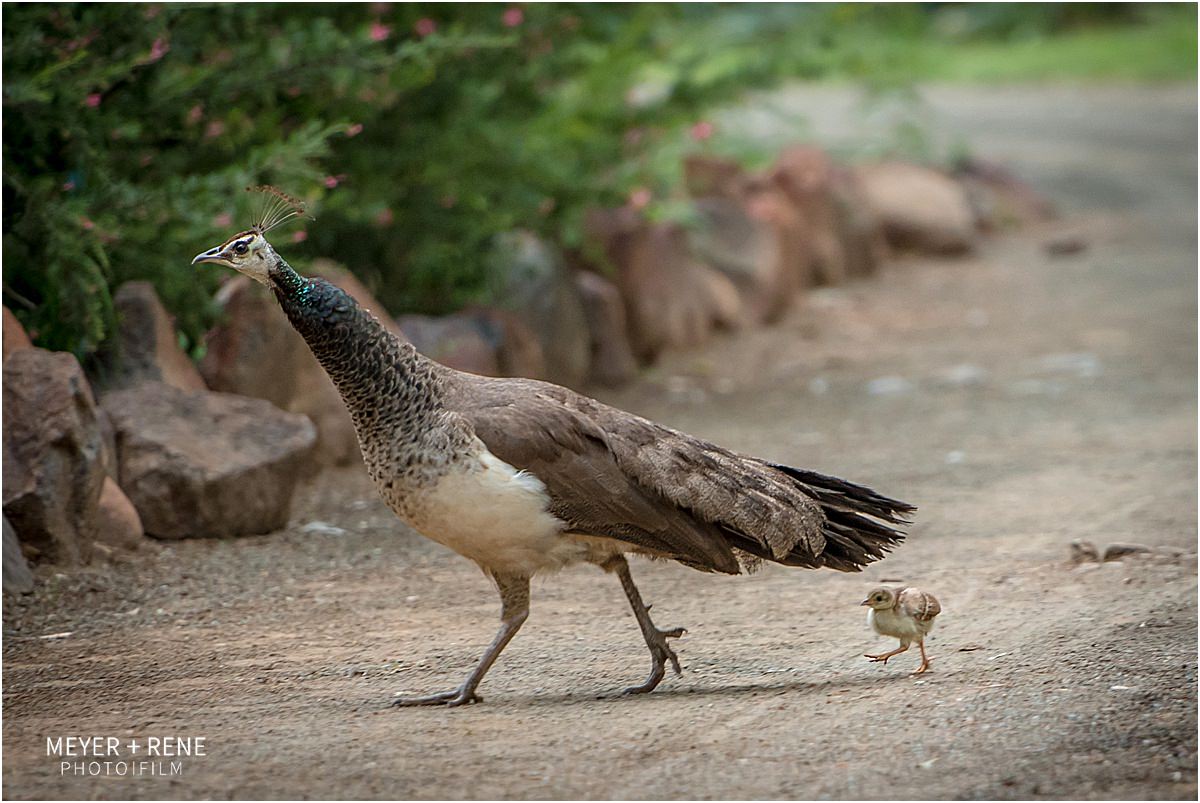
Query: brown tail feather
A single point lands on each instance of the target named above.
(855, 534)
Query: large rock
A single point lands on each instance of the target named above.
(199, 463)
(53, 468)
(15, 337)
(147, 347)
(806, 176)
(531, 280)
(613, 362)
(748, 252)
(864, 246)
(478, 340)
(254, 351)
(671, 299)
(921, 209)
(17, 577)
(117, 522)
(763, 201)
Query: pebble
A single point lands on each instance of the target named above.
(889, 386)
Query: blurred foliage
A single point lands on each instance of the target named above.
(417, 133)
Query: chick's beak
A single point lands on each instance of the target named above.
(865, 602)
(211, 255)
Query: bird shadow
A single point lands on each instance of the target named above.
(800, 688)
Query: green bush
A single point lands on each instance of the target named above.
(416, 133)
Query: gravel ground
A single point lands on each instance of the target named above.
(1021, 400)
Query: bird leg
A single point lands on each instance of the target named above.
(514, 610)
(924, 667)
(656, 640)
(885, 656)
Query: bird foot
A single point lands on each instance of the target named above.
(923, 668)
(450, 699)
(660, 653)
(877, 658)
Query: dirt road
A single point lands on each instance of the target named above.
(1020, 400)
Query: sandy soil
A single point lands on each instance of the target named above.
(1021, 400)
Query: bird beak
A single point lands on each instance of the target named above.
(865, 602)
(212, 255)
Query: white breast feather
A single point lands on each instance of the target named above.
(492, 513)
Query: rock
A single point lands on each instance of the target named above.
(147, 347)
(798, 261)
(999, 198)
(919, 208)
(254, 351)
(1083, 552)
(1119, 551)
(53, 469)
(108, 440)
(1065, 244)
(764, 201)
(17, 577)
(864, 246)
(671, 300)
(205, 464)
(747, 251)
(806, 176)
(117, 522)
(460, 341)
(14, 336)
(612, 361)
(479, 340)
(530, 279)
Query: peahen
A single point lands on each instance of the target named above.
(523, 476)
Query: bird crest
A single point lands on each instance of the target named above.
(275, 208)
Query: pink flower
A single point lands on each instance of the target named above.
(92, 100)
(222, 220)
(384, 218)
(379, 31)
(354, 130)
(333, 181)
(424, 27)
(214, 129)
(194, 114)
(299, 236)
(702, 130)
(640, 198)
(87, 223)
(145, 159)
(513, 16)
(157, 50)
(68, 186)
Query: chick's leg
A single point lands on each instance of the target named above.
(656, 640)
(924, 667)
(885, 656)
(514, 610)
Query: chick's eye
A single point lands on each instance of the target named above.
(240, 248)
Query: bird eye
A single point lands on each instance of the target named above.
(240, 248)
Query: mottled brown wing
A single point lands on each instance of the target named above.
(920, 605)
(535, 431)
